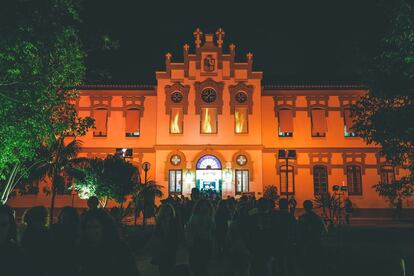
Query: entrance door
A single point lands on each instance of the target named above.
(209, 174)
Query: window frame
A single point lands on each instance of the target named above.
(132, 134)
(316, 172)
(387, 169)
(246, 113)
(282, 182)
(181, 120)
(175, 181)
(242, 184)
(99, 134)
(354, 172)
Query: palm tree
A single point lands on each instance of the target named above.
(144, 200)
(58, 160)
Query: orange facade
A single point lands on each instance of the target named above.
(211, 123)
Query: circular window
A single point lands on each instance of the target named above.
(209, 95)
(241, 160)
(241, 97)
(176, 97)
(175, 159)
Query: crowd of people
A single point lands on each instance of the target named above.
(244, 236)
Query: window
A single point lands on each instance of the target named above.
(132, 123)
(387, 174)
(240, 120)
(175, 181)
(348, 123)
(318, 121)
(176, 120)
(101, 120)
(242, 181)
(291, 180)
(285, 123)
(208, 120)
(354, 180)
(320, 180)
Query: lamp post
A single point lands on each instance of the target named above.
(146, 166)
(286, 155)
(339, 190)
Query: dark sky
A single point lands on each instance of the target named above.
(292, 41)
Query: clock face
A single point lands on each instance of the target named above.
(241, 160)
(241, 97)
(175, 159)
(209, 95)
(176, 97)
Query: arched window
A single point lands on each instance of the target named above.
(354, 179)
(208, 162)
(320, 180)
(387, 174)
(290, 179)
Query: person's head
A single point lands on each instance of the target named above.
(203, 207)
(165, 214)
(93, 203)
(7, 224)
(69, 216)
(195, 194)
(283, 204)
(98, 227)
(36, 217)
(308, 205)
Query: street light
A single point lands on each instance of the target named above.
(287, 154)
(146, 167)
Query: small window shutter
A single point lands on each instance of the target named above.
(348, 120)
(285, 120)
(319, 124)
(100, 116)
(132, 121)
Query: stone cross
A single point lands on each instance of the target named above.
(220, 34)
(186, 47)
(168, 56)
(232, 47)
(197, 34)
(249, 56)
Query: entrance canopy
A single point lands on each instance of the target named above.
(208, 162)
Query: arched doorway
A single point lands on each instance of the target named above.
(209, 174)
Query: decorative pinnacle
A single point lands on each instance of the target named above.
(232, 47)
(186, 47)
(249, 56)
(168, 56)
(220, 34)
(197, 34)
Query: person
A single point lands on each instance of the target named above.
(200, 236)
(311, 229)
(36, 239)
(93, 203)
(348, 210)
(101, 251)
(11, 255)
(398, 209)
(164, 242)
(64, 236)
(222, 217)
(292, 205)
(283, 226)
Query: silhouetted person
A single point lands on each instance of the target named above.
(283, 238)
(93, 203)
(165, 240)
(12, 259)
(348, 210)
(36, 239)
(101, 250)
(292, 204)
(64, 241)
(200, 236)
(311, 229)
(222, 218)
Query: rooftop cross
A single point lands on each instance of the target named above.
(232, 47)
(168, 56)
(197, 34)
(186, 47)
(249, 56)
(220, 34)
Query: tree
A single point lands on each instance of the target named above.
(385, 115)
(270, 192)
(40, 56)
(144, 200)
(395, 191)
(56, 162)
(112, 178)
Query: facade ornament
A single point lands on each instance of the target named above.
(220, 35)
(197, 34)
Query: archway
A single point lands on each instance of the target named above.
(209, 174)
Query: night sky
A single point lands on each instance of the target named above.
(292, 41)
